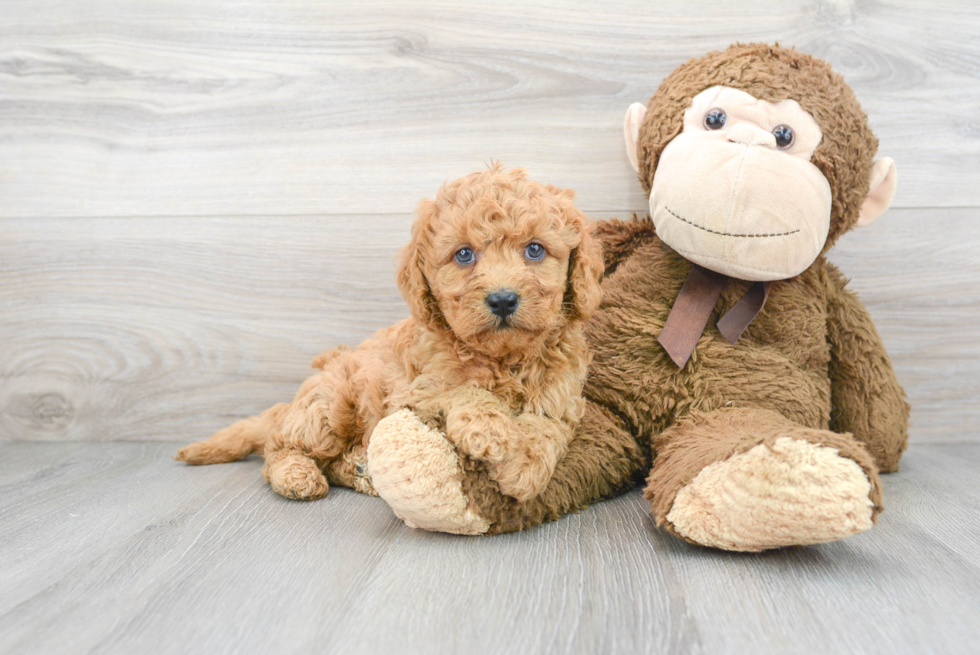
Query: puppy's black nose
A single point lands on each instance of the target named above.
(503, 303)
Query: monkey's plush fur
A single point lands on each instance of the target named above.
(773, 441)
(505, 387)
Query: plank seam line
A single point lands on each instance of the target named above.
(643, 211)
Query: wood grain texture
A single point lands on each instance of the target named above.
(119, 329)
(197, 197)
(113, 548)
(251, 107)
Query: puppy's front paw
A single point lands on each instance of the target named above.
(525, 474)
(295, 476)
(486, 436)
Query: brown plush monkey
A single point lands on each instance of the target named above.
(728, 352)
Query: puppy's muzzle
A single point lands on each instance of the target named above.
(503, 303)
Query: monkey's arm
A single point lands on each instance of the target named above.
(620, 238)
(866, 398)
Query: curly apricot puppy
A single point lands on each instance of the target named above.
(500, 274)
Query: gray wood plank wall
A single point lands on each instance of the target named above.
(197, 196)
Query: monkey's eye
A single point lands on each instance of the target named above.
(784, 136)
(715, 119)
(464, 256)
(535, 252)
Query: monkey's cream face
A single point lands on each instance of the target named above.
(736, 192)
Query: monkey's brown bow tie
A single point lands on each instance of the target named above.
(694, 305)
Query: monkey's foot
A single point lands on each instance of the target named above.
(796, 488)
(294, 475)
(416, 470)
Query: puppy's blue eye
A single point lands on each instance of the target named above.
(534, 251)
(465, 256)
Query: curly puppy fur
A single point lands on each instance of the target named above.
(507, 390)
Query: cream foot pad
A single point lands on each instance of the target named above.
(794, 493)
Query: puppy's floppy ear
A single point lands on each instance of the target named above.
(411, 274)
(585, 268)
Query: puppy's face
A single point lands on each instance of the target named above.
(499, 280)
(498, 257)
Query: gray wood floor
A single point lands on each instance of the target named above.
(114, 548)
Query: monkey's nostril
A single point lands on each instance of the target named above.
(503, 303)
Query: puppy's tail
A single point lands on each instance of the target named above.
(237, 441)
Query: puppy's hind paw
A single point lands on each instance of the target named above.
(295, 476)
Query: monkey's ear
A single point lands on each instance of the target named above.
(884, 180)
(631, 131)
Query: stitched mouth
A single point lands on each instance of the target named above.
(728, 234)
